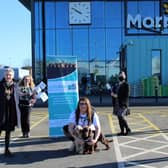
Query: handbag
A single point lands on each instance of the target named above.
(123, 111)
(128, 111)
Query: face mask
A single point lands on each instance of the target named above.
(121, 78)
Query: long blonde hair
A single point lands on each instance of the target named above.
(31, 84)
(89, 109)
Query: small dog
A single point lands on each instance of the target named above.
(88, 135)
(79, 148)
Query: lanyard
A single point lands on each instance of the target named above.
(83, 120)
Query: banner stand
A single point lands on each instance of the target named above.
(62, 91)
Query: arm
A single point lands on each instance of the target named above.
(97, 134)
(114, 91)
(71, 126)
(33, 99)
(113, 95)
(32, 96)
(96, 123)
(71, 130)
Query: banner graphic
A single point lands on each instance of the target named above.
(62, 91)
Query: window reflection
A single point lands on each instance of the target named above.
(97, 44)
(80, 44)
(113, 42)
(97, 14)
(50, 16)
(113, 14)
(50, 42)
(38, 56)
(61, 8)
(38, 15)
(63, 42)
(156, 57)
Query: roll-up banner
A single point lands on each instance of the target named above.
(62, 91)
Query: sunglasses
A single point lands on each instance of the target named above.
(82, 104)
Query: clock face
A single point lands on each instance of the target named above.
(79, 13)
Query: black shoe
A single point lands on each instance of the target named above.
(120, 134)
(128, 131)
(8, 153)
(27, 135)
(23, 136)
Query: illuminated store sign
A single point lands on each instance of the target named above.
(148, 22)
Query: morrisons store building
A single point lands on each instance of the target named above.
(105, 36)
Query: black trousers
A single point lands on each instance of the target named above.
(66, 132)
(123, 123)
(25, 118)
(7, 140)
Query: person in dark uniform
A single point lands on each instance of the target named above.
(9, 113)
(26, 101)
(114, 98)
(122, 97)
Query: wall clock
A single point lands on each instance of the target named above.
(79, 13)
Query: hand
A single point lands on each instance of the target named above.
(22, 94)
(32, 101)
(113, 95)
(92, 142)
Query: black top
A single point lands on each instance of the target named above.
(8, 116)
(123, 94)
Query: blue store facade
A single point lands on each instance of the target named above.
(106, 36)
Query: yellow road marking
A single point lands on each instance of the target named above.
(143, 128)
(36, 123)
(111, 123)
(149, 122)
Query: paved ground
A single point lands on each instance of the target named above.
(146, 147)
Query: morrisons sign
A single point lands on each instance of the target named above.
(147, 22)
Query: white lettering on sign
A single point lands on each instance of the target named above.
(147, 22)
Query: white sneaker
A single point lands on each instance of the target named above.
(72, 148)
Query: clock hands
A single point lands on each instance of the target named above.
(76, 10)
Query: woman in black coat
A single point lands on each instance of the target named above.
(122, 96)
(9, 110)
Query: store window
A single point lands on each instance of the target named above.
(80, 44)
(156, 66)
(38, 15)
(50, 15)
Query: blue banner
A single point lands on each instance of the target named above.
(62, 91)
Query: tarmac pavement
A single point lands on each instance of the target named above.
(146, 146)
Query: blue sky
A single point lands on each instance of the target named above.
(15, 34)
